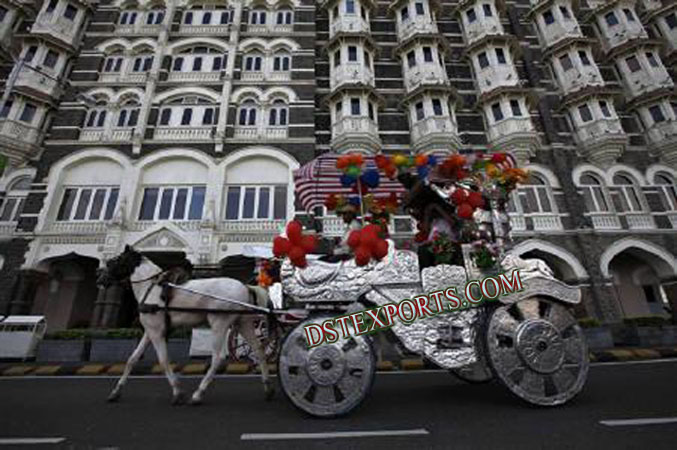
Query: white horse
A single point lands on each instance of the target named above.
(144, 276)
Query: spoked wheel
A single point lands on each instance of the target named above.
(538, 351)
(476, 373)
(328, 380)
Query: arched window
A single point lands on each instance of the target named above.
(199, 59)
(12, 205)
(247, 113)
(278, 114)
(536, 196)
(284, 17)
(128, 116)
(113, 63)
(128, 17)
(594, 193)
(142, 62)
(189, 111)
(253, 62)
(96, 118)
(668, 189)
(155, 16)
(257, 17)
(281, 62)
(630, 194)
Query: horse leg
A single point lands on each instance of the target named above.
(249, 333)
(160, 345)
(133, 359)
(219, 326)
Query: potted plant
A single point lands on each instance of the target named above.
(113, 345)
(597, 336)
(63, 346)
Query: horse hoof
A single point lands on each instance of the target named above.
(113, 397)
(178, 399)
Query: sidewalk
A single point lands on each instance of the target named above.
(198, 367)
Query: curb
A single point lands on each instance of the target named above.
(242, 368)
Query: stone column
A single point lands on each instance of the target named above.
(25, 293)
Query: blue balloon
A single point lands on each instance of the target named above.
(371, 178)
(347, 180)
(423, 171)
(432, 160)
(355, 201)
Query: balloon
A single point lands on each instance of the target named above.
(362, 256)
(465, 211)
(371, 178)
(381, 161)
(347, 180)
(373, 230)
(422, 171)
(421, 160)
(476, 200)
(355, 201)
(432, 160)
(356, 159)
(368, 240)
(353, 171)
(400, 160)
(308, 243)
(498, 158)
(331, 202)
(459, 196)
(294, 232)
(281, 246)
(380, 249)
(342, 162)
(354, 239)
(391, 171)
(297, 256)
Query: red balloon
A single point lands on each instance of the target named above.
(368, 240)
(362, 256)
(498, 158)
(281, 246)
(294, 232)
(465, 211)
(372, 229)
(380, 249)
(308, 243)
(354, 239)
(459, 196)
(476, 200)
(297, 256)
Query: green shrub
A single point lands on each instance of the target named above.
(646, 321)
(589, 322)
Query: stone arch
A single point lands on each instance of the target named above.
(258, 151)
(174, 153)
(187, 91)
(113, 44)
(575, 268)
(280, 92)
(9, 180)
(283, 43)
(548, 174)
(621, 168)
(246, 93)
(178, 46)
(660, 259)
(657, 168)
(86, 154)
(583, 168)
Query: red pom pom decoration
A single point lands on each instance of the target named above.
(362, 256)
(281, 246)
(465, 211)
(459, 196)
(381, 161)
(354, 239)
(476, 200)
(498, 158)
(342, 162)
(308, 243)
(380, 249)
(331, 202)
(294, 232)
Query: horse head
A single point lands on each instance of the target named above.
(119, 268)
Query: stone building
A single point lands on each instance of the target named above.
(175, 126)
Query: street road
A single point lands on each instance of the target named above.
(421, 410)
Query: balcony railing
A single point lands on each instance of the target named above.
(546, 222)
(481, 28)
(254, 132)
(496, 76)
(83, 227)
(355, 124)
(19, 131)
(130, 77)
(433, 130)
(198, 77)
(662, 133)
(621, 34)
(353, 73)
(416, 25)
(251, 226)
(574, 79)
(251, 76)
(140, 27)
(558, 30)
(605, 221)
(278, 75)
(333, 226)
(45, 83)
(205, 29)
(184, 133)
(640, 221)
(643, 82)
(348, 24)
(509, 126)
(424, 74)
(92, 135)
(597, 130)
(517, 222)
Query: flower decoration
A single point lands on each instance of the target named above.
(367, 244)
(296, 245)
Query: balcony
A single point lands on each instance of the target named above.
(43, 83)
(499, 132)
(19, 132)
(662, 139)
(640, 221)
(206, 30)
(182, 133)
(279, 75)
(482, 28)
(79, 228)
(428, 74)
(575, 79)
(256, 133)
(251, 76)
(197, 77)
(605, 221)
(601, 141)
(434, 133)
(65, 30)
(349, 23)
(355, 131)
(251, 226)
(333, 226)
(493, 77)
(351, 73)
(546, 222)
(517, 222)
(139, 28)
(116, 135)
(558, 31)
(644, 81)
(130, 77)
(416, 25)
(620, 34)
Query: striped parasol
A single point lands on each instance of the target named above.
(319, 178)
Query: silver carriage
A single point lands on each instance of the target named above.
(529, 340)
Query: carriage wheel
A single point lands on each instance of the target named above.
(328, 380)
(476, 373)
(538, 351)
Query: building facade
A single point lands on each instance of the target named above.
(175, 126)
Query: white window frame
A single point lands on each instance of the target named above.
(158, 202)
(76, 201)
(241, 201)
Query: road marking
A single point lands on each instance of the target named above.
(332, 435)
(31, 441)
(631, 422)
